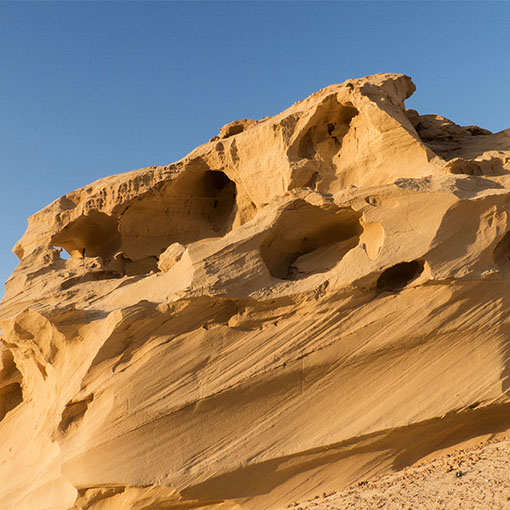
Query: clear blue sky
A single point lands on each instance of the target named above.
(95, 88)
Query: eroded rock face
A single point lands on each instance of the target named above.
(302, 302)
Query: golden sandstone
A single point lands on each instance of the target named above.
(302, 303)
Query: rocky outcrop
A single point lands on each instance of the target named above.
(303, 302)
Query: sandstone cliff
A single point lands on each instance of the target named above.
(303, 302)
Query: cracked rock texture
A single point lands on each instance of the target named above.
(304, 302)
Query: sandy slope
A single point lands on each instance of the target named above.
(469, 478)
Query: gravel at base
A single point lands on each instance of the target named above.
(473, 478)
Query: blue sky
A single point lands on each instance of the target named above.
(96, 88)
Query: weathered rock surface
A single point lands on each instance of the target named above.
(301, 303)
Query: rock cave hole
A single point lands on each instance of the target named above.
(74, 412)
(196, 205)
(64, 255)
(328, 126)
(223, 198)
(308, 239)
(11, 393)
(91, 235)
(395, 278)
(501, 254)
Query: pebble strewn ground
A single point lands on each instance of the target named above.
(475, 478)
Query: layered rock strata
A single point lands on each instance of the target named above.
(303, 302)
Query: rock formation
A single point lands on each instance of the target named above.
(305, 301)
